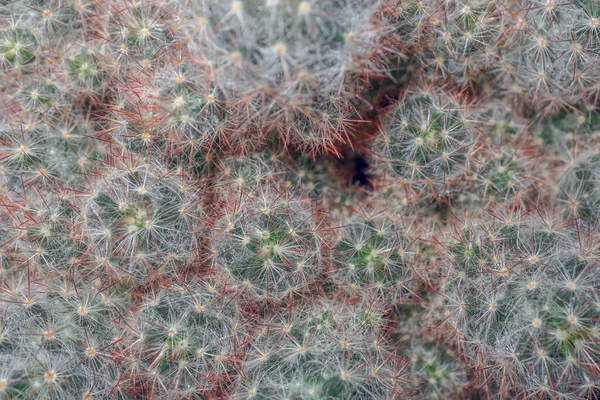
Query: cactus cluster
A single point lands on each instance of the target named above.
(298, 199)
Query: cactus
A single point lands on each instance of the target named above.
(298, 199)
(520, 297)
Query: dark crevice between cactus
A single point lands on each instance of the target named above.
(352, 163)
(361, 175)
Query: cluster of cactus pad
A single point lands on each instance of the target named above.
(299, 199)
